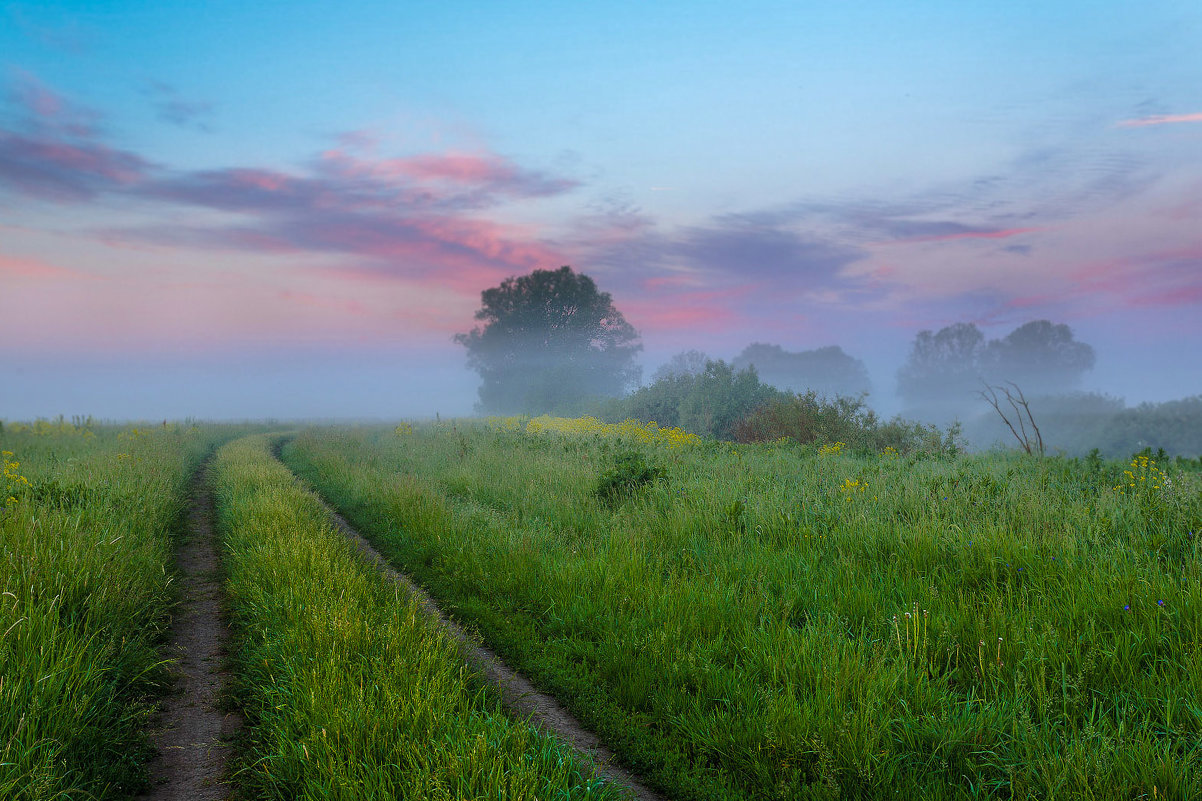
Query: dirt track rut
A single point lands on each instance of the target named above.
(192, 732)
(519, 697)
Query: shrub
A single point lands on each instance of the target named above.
(809, 418)
(630, 472)
(710, 403)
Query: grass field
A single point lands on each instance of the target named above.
(787, 622)
(350, 692)
(737, 622)
(87, 514)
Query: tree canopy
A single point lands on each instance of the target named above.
(1040, 357)
(827, 371)
(710, 402)
(687, 362)
(549, 342)
(943, 367)
(947, 367)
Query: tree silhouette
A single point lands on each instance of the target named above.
(549, 342)
(827, 371)
(687, 362)
(943, 369)
(1041, 357)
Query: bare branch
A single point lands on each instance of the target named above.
(1018, 402)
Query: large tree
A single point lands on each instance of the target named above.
(945, 371)
(549, 342)
(1040, 357)
(942, 365)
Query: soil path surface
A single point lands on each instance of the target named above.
(519, 697)
(193, 734)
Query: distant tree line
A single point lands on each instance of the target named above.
(1078, 422)
(946, 369)
(723, 402)
(552, 342)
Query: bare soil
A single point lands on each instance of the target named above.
(518, 696)
(193, 734)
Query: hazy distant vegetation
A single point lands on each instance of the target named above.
(552, 343)
(722, 402)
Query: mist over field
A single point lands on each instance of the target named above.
(673, 400)
(186, 231)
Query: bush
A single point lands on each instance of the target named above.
(710, 403)
(809, 418)
(630, 472)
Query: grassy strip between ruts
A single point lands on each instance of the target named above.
(350, 692)
(85, 549)
(784, 622)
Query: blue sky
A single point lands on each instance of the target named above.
(310, 185)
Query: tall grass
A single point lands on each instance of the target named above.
(85, 593)
(785, 622)
(350, 692)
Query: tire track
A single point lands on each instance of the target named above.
(518, 696)
(193, 734)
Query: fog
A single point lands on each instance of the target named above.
(385, 384)
(379, 384)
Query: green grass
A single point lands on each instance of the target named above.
(349, 691)
(85, 593)
(761, 626)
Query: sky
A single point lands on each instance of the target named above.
(270, 209)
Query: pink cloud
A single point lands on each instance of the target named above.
(1160, 279)
(47, 110)
(51, 149)
(351, 307)
(657, 318)
(1160, 119)
(707, 310)
(32, 268)
(503, 245)
(1175, 296)
(669, 282)
(266, 180)
(481, 172)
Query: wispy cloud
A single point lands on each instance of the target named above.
(409, 215)
(70, 36)
(14, 267)
(40, 110)
(52, 148)
(1159, 279)
(172, 108)
(1160, 119)
(65, 170)
(952, 232)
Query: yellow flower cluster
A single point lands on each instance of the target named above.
(514, 423)
(12, 479)
(45, 428)
(889, 451)
(649, 433)
(1143, 476)
(404, 430)
(133, 433)
(831, 450)
(850, 488)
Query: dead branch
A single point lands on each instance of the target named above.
(1030, 441)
